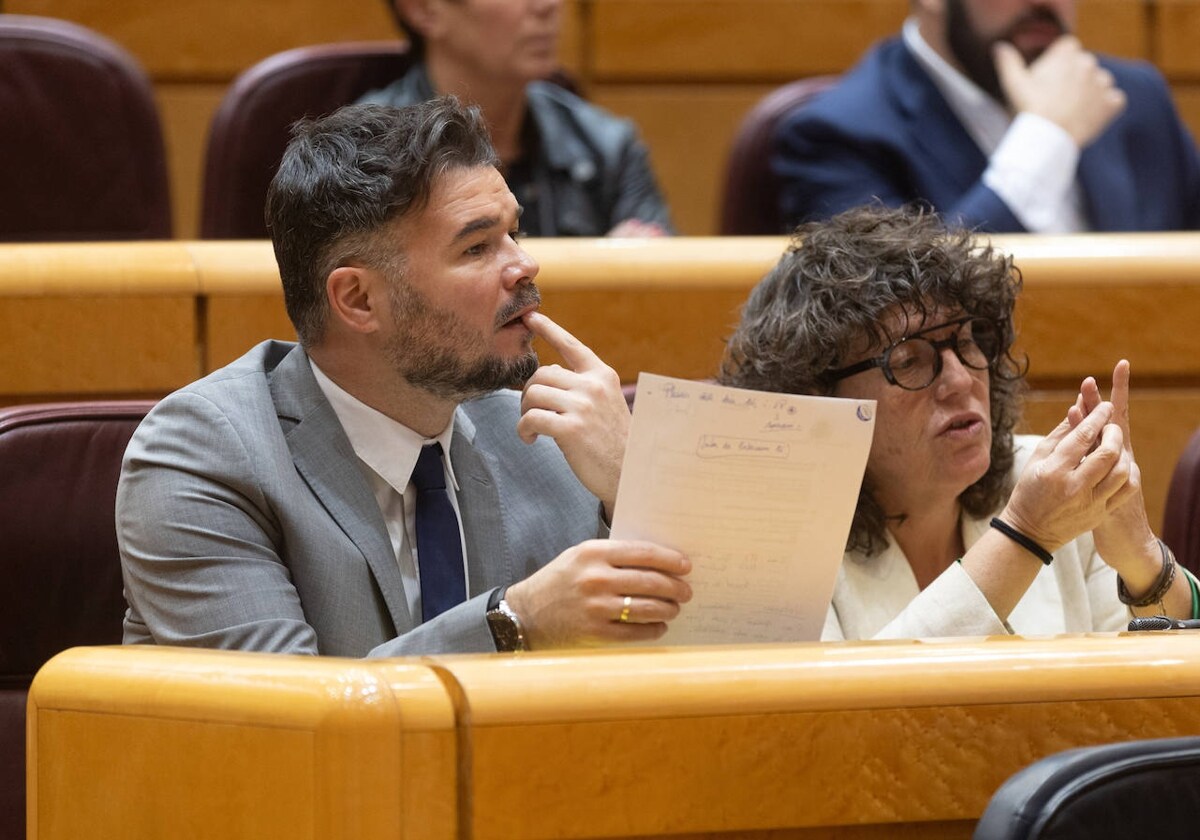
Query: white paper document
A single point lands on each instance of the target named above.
(758, 489)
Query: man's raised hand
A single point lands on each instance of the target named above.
(581, 406)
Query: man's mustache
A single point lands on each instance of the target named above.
(527, 295)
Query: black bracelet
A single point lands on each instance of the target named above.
(1165, 578)
(1020, 539)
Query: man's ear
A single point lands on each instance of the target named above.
(925, 8)
(423, 15)
(354, 297)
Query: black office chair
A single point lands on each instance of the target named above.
(1135, 789)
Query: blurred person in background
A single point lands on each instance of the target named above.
(576, 169)
(996, 115)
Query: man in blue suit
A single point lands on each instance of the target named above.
(993, 113)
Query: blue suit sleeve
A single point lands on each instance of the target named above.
(823, 170)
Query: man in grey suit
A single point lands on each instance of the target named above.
(374, 490)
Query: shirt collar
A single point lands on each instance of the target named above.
(984, 118)
(385, 446)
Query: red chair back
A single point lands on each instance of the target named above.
(81, 148)
(1181, 516)
(750, 204)
(59, 563)
(252, 125)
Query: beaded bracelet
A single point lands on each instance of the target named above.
(1020, 539)
(1165, 578)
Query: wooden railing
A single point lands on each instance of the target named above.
(858, 740)
(142, 319)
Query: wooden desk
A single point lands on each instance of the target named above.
(854, 740)
(157, 743)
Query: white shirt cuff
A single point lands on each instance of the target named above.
(1033, 170)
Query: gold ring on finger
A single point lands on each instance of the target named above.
(626, 604)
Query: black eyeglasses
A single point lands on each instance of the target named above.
(914, 361)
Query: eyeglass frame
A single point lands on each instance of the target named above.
(881, 361)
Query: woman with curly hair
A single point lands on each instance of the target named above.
(961, 527)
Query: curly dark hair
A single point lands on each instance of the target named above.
(830, 292)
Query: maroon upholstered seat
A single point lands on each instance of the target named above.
(59, 565)
(81, 150)
(1181, 518)
(251, 126)
(750, 204)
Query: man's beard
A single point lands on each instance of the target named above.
(422, 348)
(974, 53)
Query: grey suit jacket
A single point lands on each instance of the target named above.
(245, 521)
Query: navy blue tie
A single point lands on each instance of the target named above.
(439, 544)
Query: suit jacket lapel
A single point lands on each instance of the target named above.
(489, 555)
(326, 460)
(933, 127)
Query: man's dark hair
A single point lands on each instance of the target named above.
(344, 176)
(831, 293)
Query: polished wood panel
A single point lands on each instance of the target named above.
(186, 111)
(214, 40)
(1090, 300)
(95, 319)
(668, 304)
(130, 345)
(1175, 36)
(780, 40)
(1187, 100)
(643, 40)
(243, 303)
(231, 319)
(1117, 27)
(846, 740)
(144, 319)
(155, 742)
(1163, 420)
(734, 40)
(101, 269)
(762, 739)
(689, 129)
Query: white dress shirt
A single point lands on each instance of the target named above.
(387, 454)
(1032, 161)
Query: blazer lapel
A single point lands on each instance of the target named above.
(934, 129)
(326, 460)
(489, 555)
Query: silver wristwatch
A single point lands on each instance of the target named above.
(507, 632)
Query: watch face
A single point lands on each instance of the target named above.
(505, 632)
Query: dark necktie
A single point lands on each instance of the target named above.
(439, 545)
